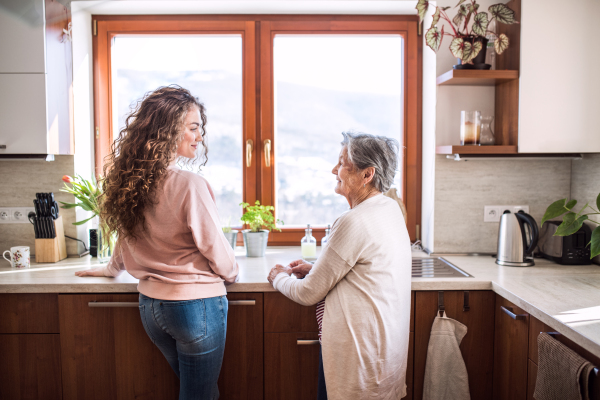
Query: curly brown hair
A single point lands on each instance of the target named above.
(140, 156)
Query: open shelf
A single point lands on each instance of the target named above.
(476, 150)
(475, 77)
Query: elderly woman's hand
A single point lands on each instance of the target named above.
(276, 270)
(300, 268)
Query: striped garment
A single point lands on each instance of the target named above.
(320, 311)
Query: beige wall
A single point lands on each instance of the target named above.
(19, 182)
(585, 184)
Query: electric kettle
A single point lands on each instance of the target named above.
(517, 237)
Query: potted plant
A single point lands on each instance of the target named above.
(89, 193)
(260, 220)
(230, 234)
(572, 222)
(469, 42)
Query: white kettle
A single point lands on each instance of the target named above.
(515, 245)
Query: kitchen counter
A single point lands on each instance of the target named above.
(566, 298)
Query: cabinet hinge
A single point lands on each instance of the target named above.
(94, 27)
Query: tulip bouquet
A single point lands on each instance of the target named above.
(86, 192)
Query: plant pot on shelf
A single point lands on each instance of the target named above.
(231, 237)
(479, 61)
(255, 242)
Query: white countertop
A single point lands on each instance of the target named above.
(566, 298)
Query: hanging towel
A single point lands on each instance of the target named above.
(562, 373)
(446, 375)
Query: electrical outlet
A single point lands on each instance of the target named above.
(15, 215)
(493, 213)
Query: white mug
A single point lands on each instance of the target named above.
(19, 257)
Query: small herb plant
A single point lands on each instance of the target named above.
(467, 49)
(227, 228)
(259, 217)
(572, 222)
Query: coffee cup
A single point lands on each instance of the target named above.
(19, 257)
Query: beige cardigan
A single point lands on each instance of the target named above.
(365, 272)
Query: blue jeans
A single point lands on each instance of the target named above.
(191, 336)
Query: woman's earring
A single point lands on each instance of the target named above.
(364, 185)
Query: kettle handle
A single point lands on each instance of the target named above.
(533, 230)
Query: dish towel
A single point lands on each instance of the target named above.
(446, 375)
(562, 373)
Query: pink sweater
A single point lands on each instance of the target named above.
(182, 254)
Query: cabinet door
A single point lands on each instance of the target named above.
(284, 315)
(477, 347)
(106, 352)
(242, 371)
(22, 50)
(291, 366)
(510, 351)
(23, 114)
(30, 366)
(531, 379)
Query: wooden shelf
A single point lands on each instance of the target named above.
(476, 77)
(491, 150)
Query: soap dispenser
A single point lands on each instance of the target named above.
(325, 239)
(308, 245)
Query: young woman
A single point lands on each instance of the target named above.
(170, 236)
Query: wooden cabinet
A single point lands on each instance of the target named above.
(510, 351)
(242, 371)
(106, 353)
(477, 346)
(36, 76)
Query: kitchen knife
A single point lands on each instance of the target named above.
(51, 225)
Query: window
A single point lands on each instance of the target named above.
(279, 90)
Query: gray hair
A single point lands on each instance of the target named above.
(379, 152)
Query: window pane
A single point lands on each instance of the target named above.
(210, 66)
(325, 85)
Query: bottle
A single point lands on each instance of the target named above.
(308, 245)
(325, 239)
(490, 56)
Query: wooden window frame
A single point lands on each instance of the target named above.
(258, 32)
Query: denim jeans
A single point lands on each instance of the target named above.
(191, 336)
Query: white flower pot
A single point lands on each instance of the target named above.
(231, 237)
(255, 242)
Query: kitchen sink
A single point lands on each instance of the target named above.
(436, 268)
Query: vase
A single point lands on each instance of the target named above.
(255, 242)
(487, 135)
(106, 246)
(231, 237)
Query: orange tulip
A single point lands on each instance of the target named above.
(67, 178)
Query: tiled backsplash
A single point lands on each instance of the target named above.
(19, 182)
(585, 184)
(463, 188)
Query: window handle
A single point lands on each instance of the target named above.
(268, 152)
(249, 148)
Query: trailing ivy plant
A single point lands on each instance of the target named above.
(259, 217)
(464, 44)
(572, 222)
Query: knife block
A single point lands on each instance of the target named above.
(52, 250)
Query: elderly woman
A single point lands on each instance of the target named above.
(364, 275)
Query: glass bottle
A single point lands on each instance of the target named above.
(308, 245)
(487, 135)
(325, 239)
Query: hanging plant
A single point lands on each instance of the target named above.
(466, 34)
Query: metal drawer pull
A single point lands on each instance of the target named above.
(242, 302)
(113, 304)
(511, 314)
(301, 342)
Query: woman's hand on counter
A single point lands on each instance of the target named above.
(98, 271)
(300, 268)
(276, 270)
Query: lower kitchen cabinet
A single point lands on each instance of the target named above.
(510, 351)
(30, 366)
(291, 366)
(477, 347)
(532, 370)
(106, 353)
(242, 371)
(410, 368)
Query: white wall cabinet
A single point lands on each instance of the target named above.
(36, 76)
(559, 82)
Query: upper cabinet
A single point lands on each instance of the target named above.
(560, 82)
(36, 75)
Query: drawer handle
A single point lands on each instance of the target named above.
(300, 342)
(242, 302)
(113, 304)
(511, 314)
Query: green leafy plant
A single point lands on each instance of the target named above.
(259, 217)
(572, 221)
(87, 192)
(464, 44)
